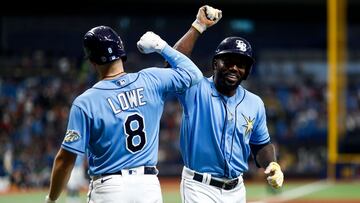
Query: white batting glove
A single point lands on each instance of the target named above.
(48, 200)
(275, 175)
(150, 42)
(206, 17)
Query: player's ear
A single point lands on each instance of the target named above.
(214, 64)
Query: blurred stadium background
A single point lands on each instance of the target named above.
(307, 72)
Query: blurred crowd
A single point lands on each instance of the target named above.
(36, 92)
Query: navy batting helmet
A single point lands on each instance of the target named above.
(236, 45)
(103, 45)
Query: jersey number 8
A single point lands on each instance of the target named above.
(135, 131)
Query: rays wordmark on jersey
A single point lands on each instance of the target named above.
(249, 124)
(127, 99)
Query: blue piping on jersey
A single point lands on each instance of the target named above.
(67, 148)
(233, 136)
(264, 140)
(223, 132)
(223, 136)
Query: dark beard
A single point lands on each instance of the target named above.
(224, 87)
(230, 85)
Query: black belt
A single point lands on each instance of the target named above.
(226, 185)
(148, 170)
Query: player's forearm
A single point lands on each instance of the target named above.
(186, 44)
(266, 155)
(63, 165)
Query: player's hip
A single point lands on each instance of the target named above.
(142, 190)
(208, 179)
(206, 190)
(126, 187)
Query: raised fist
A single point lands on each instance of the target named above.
(206, 17)
(150, 42)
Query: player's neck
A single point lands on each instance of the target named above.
(225, 91)
(111, 76)
(111, 71)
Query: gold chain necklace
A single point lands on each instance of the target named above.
(110, 76)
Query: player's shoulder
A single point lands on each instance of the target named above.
(205, 82)
(105, 87)
(155, 74)
(82, 98)
(204, 86)
(251, 97)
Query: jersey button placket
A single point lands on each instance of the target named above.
(230, 129)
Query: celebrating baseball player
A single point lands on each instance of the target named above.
(117, 120)
(222, 123)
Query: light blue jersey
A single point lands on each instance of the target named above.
(117, 121)
(216, 130)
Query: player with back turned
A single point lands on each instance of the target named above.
(222, 122)
(117, 120)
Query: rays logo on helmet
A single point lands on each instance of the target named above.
(71, 136)
(241, 45)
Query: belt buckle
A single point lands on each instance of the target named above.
(231, 184)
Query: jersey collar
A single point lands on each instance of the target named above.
(117, 83)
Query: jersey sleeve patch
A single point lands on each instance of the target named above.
(71, 136)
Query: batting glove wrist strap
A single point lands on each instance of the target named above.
(150, 42)
(48, 200)
(275, 175)
(198, 26)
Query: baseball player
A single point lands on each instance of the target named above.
(222, 123)
(117, 120)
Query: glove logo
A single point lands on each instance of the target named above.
(249, 124)
(241, 45)
(71, 136)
